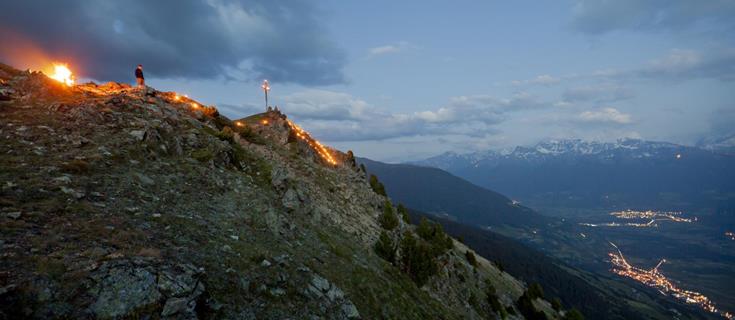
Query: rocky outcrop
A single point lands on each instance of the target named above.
(124, 288)
(331, 297)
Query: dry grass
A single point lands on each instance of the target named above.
(76, 166)
(150, 252)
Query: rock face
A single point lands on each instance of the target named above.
(332, 297)
(123, 288)
(118, 204)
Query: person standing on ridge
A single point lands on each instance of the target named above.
(139, 77)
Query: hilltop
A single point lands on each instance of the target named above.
(124, 203)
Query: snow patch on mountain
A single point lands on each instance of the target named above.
(564, 148)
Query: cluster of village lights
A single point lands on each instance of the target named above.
(651, 216)
(655, 279)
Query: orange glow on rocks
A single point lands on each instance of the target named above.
(313, 143)
(63, 74)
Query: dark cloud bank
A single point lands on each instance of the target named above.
(279, 40)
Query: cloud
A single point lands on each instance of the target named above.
(326, 105)
(607, 115)
(543, 79)
(686, 64)
(597, 93)
(720, 123)
(282, 41)
(603, 16)
(390, 49)
(335, 116)
(676, 65)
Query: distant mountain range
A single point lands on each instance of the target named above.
(720, 144)
(578, 173)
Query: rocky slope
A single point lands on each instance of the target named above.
(121, 203)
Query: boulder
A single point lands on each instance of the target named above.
(290, 199)
(138, 134)
(127, 289)
(124, 291)
(350, 311)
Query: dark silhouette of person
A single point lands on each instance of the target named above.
(139, 77)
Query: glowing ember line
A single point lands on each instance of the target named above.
(655, 279)
(316, 145)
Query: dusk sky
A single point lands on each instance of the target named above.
(405, 80)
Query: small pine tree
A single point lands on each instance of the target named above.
(556, 304)
(573, 314)
(471, 258)
(408, 246)
(388, 219)
(434, 234)
(377, 186)
(494, 301)
(385, 248)
(404, 213)
(499, 265)
(535, 291)
(424, 264)
(417, 259)
(525, 305)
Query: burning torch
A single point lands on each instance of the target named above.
(266, 87)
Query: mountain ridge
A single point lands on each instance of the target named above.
(126, 203)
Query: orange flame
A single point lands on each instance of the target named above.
(316, 145)
(62, 74)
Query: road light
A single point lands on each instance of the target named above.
(266, 87)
